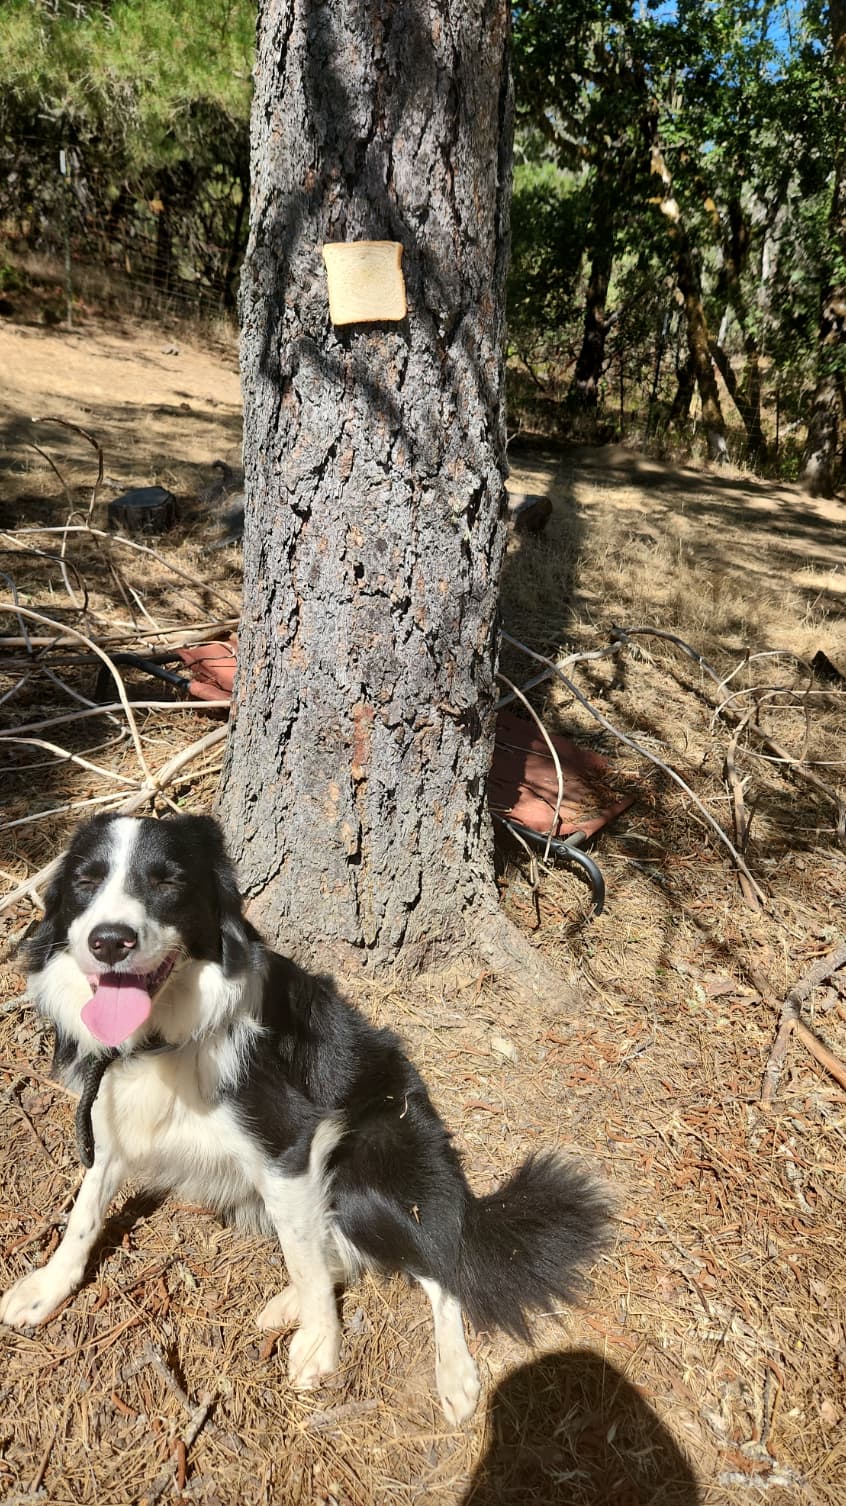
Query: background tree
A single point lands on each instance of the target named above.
(722, 315)
(735, 107)
(354, 788)
(822, 461)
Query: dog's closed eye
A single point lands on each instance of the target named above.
(165, 880)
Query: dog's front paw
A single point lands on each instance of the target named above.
(280, 1311)
(458, 1386)
(314, 1353)
(33, 1298)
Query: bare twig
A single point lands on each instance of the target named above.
(534, 881)
(62, 755)
(818, 973)
(198, 1415)
(50, 418)
(108, 708)
(141, 549)
(580, 657)
(187, 632)
(113, 671)
(692, 653)
(652, 758)
(35, 1484)
(59, 810)
(742, 822)
(755, 728)
(166, 774)
(553, 755)
(16, 609)
(826, 1058)
(56, 559)
(8, 695)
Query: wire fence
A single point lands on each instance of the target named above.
(175, 244)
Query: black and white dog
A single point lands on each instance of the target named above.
(247, 1085)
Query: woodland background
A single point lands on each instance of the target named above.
(679, 217)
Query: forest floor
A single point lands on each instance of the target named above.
(708, 1364)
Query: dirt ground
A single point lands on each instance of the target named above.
(708, 1364)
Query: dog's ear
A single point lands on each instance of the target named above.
(235, 937)
(236, 934)
(51, 932)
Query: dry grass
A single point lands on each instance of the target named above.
(709, 1363)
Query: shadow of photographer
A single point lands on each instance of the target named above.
(569, 1430)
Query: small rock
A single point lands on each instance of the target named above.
(527, 512)
(501, 1046)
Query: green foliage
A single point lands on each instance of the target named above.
(741, 103)
(136, 69)
(149, 101)
(548, 227)
(745, 102)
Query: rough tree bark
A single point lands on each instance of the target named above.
(685, 388)
(354, 787)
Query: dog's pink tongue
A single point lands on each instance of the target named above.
(119, 1004)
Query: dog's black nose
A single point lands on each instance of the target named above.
(112, 943)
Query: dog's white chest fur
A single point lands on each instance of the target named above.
(152, 1109)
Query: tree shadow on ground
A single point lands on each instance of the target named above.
(142, 443)
(569, 1430)
(541, 572)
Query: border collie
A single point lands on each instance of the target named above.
(211, 1067)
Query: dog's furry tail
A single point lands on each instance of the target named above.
(526, 1246)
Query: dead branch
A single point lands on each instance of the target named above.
(187, 633)
(108, 708)
(818, 973)
(21, 624)
(636, 747)
(63, 755)
(110, 665)
(50, 418)
(826, 1058)
(779, 752)
(168, 772)
(742, 822)
(56, 559)
(59, 810)
(165, 775)
(619, 633)
(141, 549)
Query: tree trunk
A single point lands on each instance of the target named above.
(354, 786)
(699, 345)
(163, 260)
(584, 390)
(687, 277)
(685, 388)
(822, 463)
(236, 246)
(746, 396)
